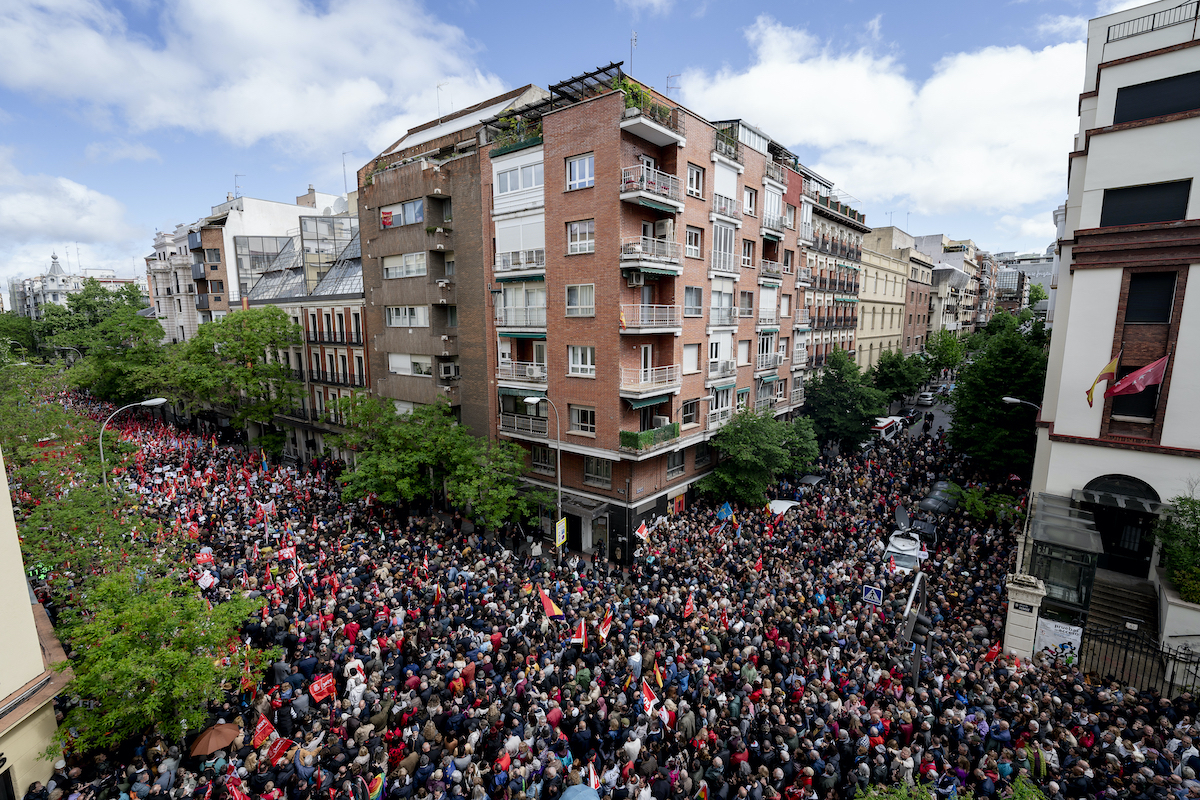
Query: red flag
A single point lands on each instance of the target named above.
(992, 653)
(321, 688)
(1150, 375)
(593, 778)
(690, 607)
(606, 624)
(642, 532)
(278, 750)
(649, 699)
(758, 564)
(235, 792)
(580, 636)
(724, 619)
(287, 552)
(548, 605)
(204, 558)
(437, 594)
(262, 731)
(254, 552)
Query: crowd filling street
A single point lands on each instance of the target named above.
(734, 659)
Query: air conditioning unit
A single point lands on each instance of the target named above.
(447, 389)
(442, 301)
(535, 371)
(449, 370)
(445, 338)
(661, 422)
(441, 247)
(637, 279)
(443, 284)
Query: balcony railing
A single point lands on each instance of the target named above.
(646, 248)
(776, 173)
(810, 190)
(1152, 22)
(335, 378)
(767, 316)
(639, 378)
(799, 356)
(770, 269)
(521, 317)
(722, 315)
(819, 360)
(666, 116)
(773, 222)
(297, 374)
(527, 371)
(650, 316)
(725, 262)
(721, 367)
(198, 273)
(763, 403)
(335, 337)
(647, 440)
(521, 259)
(804, 230)
(802, 319)
(647, 179)
(719, 417)
(523, 423)
(767, 361)
(798, 396)
(202, 301)
(804, 275)
(728, 146)
(726, 206)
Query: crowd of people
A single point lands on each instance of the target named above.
(735, 658)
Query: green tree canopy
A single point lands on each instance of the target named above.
(945, 350)
(16, 335)
(800, 440)
(897, 376)
(1179, 534)
(489, 481)
(754, 451)
(1037, 293)
(844, 406)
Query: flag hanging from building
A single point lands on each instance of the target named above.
(1137, 381)
(1109, 373)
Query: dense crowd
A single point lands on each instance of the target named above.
(734, 659)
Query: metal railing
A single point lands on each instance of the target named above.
(726, 206)
(338, 337)
(650, 316)
(819, 360)
(719, 417)
(646, 248)
(649, 377)
(1152, 22)
(722, 315)
(529, 371)
(647, 440)
(804, 275)
(721, 367)
(776, 173)
(521, 259)
(521, 316)
(523, 423)
(772, 269)
(767, 361)
(335, 378)
(804, 230)
(647, 179)
(727, 146)
(763, 403)
(800, 356)
(767, 316)
(810, 190)
(725, 262)
(802, 318)
(666, 116)
(798, 396)
(773, 222)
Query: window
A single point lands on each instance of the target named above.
(406, 364)
(513, 180)
(583, 419)
(399, 214)
(212, 256)
(747, 253)
(693, 301)
(451, 316)
(581, 172)
(690, 414)
(409, 265)
(743, 398)
(581, 300)
(743, 356)
(703, 455)
(784, 341)
(407, 316)
(597, 472)
(785, 305)
(542, 458)
(749, 200)
(1157, 98)
(1138, 407)
(1134, 205)
(1151, 296)
(695, 181)
(787, 261)
(581, 236)
(582, 360)
(675, 463)
(746, 304)
(789, 215)
(691, 358)
(693, 243)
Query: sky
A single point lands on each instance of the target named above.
(122, 117)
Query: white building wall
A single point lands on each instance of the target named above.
(1089, 340)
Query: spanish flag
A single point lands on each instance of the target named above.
(551, 609)
(1109, 373)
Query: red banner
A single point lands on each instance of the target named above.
(321, 688)
(278, 750)
(262, 731)
(204, 558)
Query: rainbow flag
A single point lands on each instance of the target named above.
(375, 788)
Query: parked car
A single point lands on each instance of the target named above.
(926, 399)
(910, 414)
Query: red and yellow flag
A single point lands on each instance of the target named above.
(1109, 373)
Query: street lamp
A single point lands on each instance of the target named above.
(533, 401)
(1012, 401)
(153, 402)
(68, 347)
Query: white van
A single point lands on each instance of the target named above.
(888, 428)
(904, 551)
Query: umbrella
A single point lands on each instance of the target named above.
(215, 738)
(580, 791)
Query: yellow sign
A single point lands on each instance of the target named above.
(560, 532)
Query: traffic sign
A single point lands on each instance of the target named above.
(873, 595)
(560, 532)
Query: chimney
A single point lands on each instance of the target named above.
(228, 196)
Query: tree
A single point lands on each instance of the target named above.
(1037, 293)
(16, 334)
(800, 440)
(148, 653)
(844, 406)
(753, 449)
(999, 437)
(489, 481)
(235, 363)
(945, 350)
(897, 376)
(1178, 534)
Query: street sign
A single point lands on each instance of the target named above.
(873, 595)
(560, 532)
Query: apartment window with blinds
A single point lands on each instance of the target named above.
(581, 360)
(597, 472)
(581, 300)
(1151, 296)
(693, 301)
(583, 419)
(690, 413)
(581, 172)
(675, 465)
(409, 265)
(407, 316)
(542, 458)
(1136, 205)
(581, 237)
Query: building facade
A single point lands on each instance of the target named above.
(1012, 290)
(28, 297)
(882, 301)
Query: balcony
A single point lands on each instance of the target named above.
(637, 318)
(654, 253)
(800, 357)
(804, 276)
(797, 397)
(764, 403)
(194, 240)
(767, 361)
(810, 191)
(521, 317)
(523, 424)
(297, 375)
(521, 261)
(335, 378)
(202, 301)
(804, 232)
(723, 315)
(335, 337)
(803, 320)
(522, 371)
(649, 440)
(777, 173)
(767, 316)
(652, 188)
(721, 367)
(719, 417)
(198, 273)
(727, 263)
(726, 207)
(637, 380)
(650, 120)
(727, 146)
(819, 360)
(770, 269)
(772, 225)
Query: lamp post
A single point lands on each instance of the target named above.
(153, 402)
(1012, 401)
(533, 401)
(68, 347)
(1015, 401)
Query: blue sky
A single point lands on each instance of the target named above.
(120, 117)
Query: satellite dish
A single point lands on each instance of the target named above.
(901, 518)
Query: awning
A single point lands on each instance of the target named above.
(649, 401)
(521, 392)
(770, 378)
(769, 282)
(522, 335)
(657, 206)
(520, 278)
(774, 237)
(724, 386)
(769, 330)
(656, 271)
(846, 300)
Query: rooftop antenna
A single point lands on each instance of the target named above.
(632, 45)
(345, 183)
(237, 190)
(889, 218)
(439, 99)
(907, 214)
(669, 86)
(78, 260)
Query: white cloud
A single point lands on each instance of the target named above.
(120, 150)
(1038, 228)
(1113, 6)
(1061, 26)
(652, 7)
(989, 130)
(309, 76)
